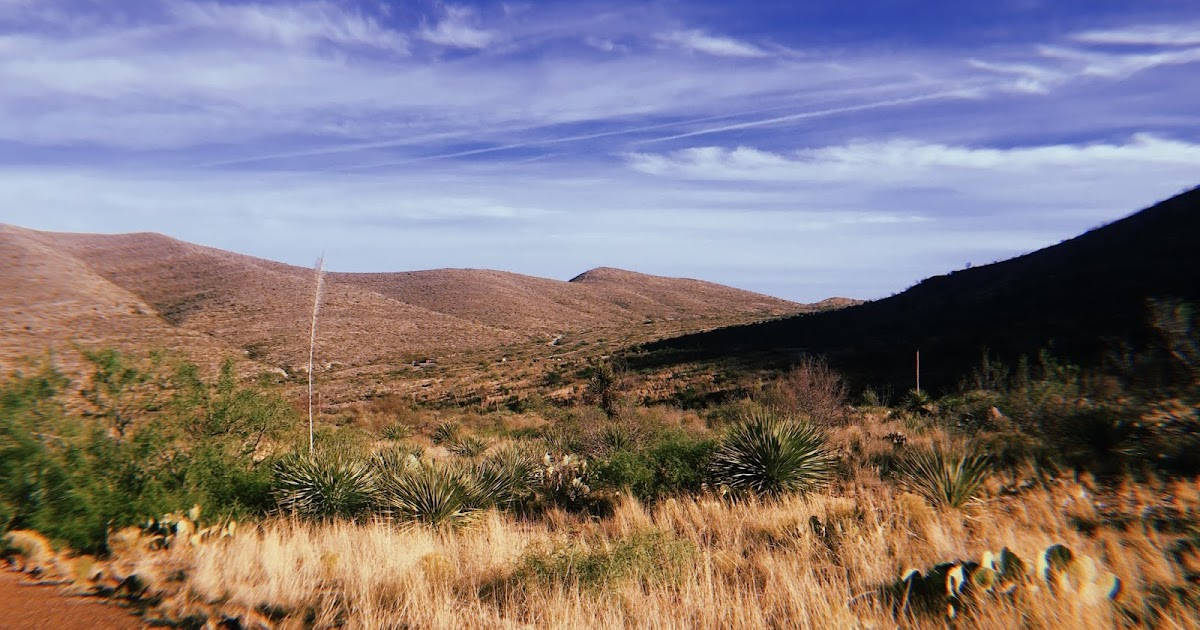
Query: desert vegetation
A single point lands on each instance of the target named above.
(1039, 494)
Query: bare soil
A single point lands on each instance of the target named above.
(26, 605)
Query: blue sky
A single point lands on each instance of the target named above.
(801, 149)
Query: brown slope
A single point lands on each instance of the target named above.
(679, 298)
(539, 305)
(53, 302)
(263, 306)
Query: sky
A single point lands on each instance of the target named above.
(800, 149)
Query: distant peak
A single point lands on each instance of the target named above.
(603, 273)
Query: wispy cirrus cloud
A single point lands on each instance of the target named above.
(295, 24)
(699, 41)
(459, 29)
(1187, 34)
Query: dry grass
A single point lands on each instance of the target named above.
(686, 563)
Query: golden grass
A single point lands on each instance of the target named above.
(715, 564)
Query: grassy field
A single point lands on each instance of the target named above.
(791, 507)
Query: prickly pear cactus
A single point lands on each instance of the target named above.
(950, 587)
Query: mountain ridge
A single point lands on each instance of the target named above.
(260, 308)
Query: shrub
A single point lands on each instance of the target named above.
(73, 479)
(676, 463)
(811, 389)
(770, 454)
(325, 488)
(951, 480)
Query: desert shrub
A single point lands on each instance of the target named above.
(1098, 438)
(74, 478)
(325, 487)
(770, 454)
(1169, 436)
(811, 389)
(675, 463)
(946, 479)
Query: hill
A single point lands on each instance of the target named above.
(148, 290)
(1080, 298)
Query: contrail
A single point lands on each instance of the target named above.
(812, 114)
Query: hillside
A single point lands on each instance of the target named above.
(147, 290)
(53, 301)
(1079, 298)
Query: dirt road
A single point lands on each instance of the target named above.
(25, 606)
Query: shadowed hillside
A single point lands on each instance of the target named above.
(1080, 298)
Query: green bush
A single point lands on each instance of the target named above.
(73, 478)
(676, 463)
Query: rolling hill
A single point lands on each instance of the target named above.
(139, 291)
(1081, 299)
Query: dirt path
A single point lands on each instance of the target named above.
(26, 606)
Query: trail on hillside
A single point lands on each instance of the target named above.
(28, 606)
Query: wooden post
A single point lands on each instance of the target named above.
(918, 370)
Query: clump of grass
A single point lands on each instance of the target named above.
(325, 487)
(769, 454)
(946, 479)
(650, 555)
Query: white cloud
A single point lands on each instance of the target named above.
(699, 41)
(458, 29)
(1029, 77)
(1187, 34)
(912, 162)
(292, 24)
(1118, 65)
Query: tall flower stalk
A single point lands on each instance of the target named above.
(319, 270)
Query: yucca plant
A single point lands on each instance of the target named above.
(769, 454)
(946, 479)
(467, 446)
(504, 479)
(445, 432)
(325, 488)
(431, 495)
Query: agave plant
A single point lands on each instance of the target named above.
(325, 487)
(945, 479)
(770, 454)
(428, 494)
